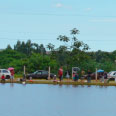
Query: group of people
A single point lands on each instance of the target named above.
(67, 75)
(88, 76)
(103, 77)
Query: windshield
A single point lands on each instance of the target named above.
(35, 72)
(5, 71)
(110, 72)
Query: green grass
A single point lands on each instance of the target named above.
(65, 82)
(18, 75)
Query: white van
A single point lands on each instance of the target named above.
(6, 73)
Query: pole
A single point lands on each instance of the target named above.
(49, 73)
(72, 72)
(96, 74)
(24, 70)
(24, 73)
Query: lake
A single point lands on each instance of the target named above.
(56, 100)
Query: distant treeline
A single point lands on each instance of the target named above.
(73, 53)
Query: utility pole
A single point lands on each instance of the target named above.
(96, 75)
(49, 73)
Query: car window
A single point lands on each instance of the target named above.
(5, 71)
(39, 72)
(45, 72)
(114, 73)
(0, 71)
(36, 72)
(110, 72)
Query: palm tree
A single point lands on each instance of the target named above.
(50, 46)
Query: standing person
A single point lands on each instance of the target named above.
(73, 76)
(102, 79)
(67, 74)
(76, 77)
(89, 76)
(105, 77)
(12, 76)
(82, 75)
(60, 73)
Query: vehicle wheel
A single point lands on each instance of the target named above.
(7, 77)
(112, 79)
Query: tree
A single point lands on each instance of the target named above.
(74, 31)
(17, 47)
(29, 46)
(42, 49)
(50, 46)
(9, 47)
(73, 48)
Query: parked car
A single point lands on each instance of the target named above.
(40, 74)
(6, 73)
(112, 75)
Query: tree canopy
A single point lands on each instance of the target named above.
(72, 53)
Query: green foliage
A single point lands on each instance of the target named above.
(73, 53)
(28, 47)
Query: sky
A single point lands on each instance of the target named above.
(42, 21)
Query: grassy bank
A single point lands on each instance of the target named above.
(64, 82)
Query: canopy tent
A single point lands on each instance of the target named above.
(100, 71)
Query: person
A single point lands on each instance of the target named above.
(73, 76)
(60, 74)
(89, 76)
(12, 76)
(105, 77)
(54, 78)
(67, 74)
(82, 75)
(3, 78)
(102, 77)
(76, 77)
(23, 80)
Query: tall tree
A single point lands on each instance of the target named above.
(9, 47)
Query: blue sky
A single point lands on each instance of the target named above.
(43, 20)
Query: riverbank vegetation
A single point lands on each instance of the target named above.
(71, 53)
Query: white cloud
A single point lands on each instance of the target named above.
(88, 9)
(59, 5)
(104, 20)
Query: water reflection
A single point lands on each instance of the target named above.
(82, 86)
(57, 100)
(75, 86)
(11, 85)
(88, 86)
(3, 84)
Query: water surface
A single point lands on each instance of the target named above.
(55, 100)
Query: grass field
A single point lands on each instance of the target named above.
(64, 82)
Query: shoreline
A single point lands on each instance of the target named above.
(62, 83)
